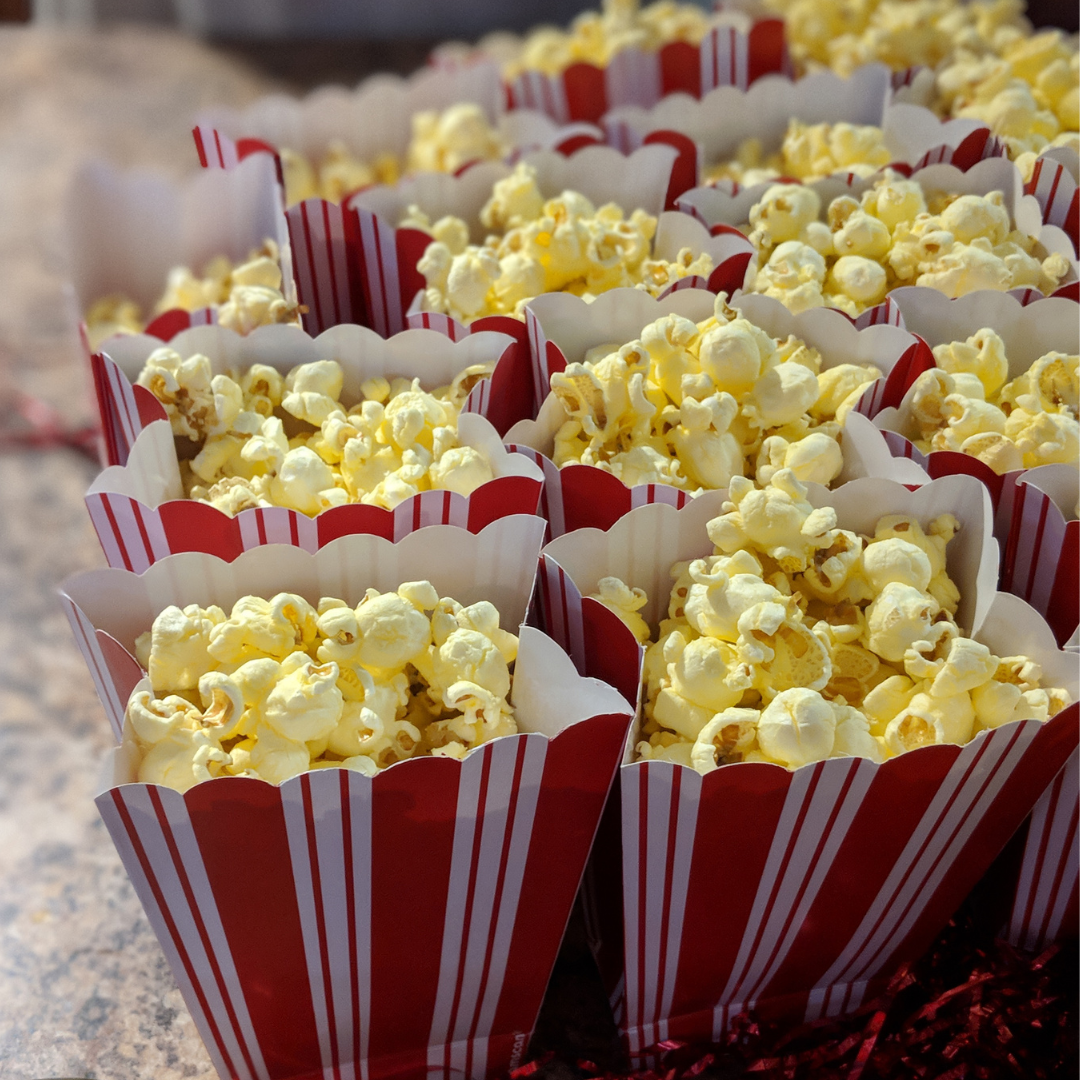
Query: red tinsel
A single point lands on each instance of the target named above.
(968, 1010)
(41, 426)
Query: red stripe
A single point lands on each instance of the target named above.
(1012, 539)
(260, 524)
(504, 858)
(217, 144)
(1058, 170)
(417, 502)
(200, 926)
(294, 528)
(377, 231)
(466, 922)
(446, 508)
(545, 601)
(330, 261)
(137, 509)
(166, 914)
(643, 877)
(1036, 547)
(117, 531)
(91, 652)
(120, 384)
(565, 610)
(1059, 874)
(313, 301)
(320, 919)
(197, 132)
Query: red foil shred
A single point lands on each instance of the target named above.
(971, 1009)
(40, 426)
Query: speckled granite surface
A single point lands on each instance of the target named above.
(84, 988)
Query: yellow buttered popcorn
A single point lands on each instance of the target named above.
(539, 245)
(278, 687)
(693, 405)
(808, 152)
(798, 640)
(246, 295)
(594, 37)
(893, 236)
(441, 141)
(260, 439)
(965, 404)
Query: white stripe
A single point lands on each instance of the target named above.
(292, 803)
(190, 855)
(249, 528)
(322, 256)
(155, 847)
(456, 900)
(685, 831)
(554, 625)
(300, 244)
(553, 495)
(127, 410)
(929, 843)
(103, 527)
(360, 792)
(742, 61)
(338, 256)
(134, 799)
(155, 533)
(369, 224)
(538, 355)
(659, 778)
(632, 832)
(128, 527)
(277, 524)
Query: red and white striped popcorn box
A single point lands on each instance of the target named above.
(354, 265)
(1034, 522)
(719, 123)
(141, 515)
(397, 926)
(127, 408)
(797, 894)
(562, 328)
(714, 206)
(736, 52)
(371, 119)
(1054, 184)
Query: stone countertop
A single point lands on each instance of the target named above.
(84, 988)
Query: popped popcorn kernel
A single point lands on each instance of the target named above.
(282, 687)
(798, 641)
(966, 405)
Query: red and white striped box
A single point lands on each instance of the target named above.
(1036, 528)
(562, 328)
(354, 265)
(736, 52)
(341, 925)
(714, 206)
(141, 515)
(794, 894)
(371, 119)
(1054, 184)
(126, 408)
(127, 230)
(725, 117)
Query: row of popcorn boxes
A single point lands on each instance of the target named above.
(478, 861)
(140, 512)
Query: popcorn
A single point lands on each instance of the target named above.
(798, 641)
(535, 245)
(397, 441)
(693, 405)
(283, 687)
(891, 238)
(966, 405)
(247, 296)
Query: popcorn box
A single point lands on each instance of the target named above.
(562, 328)
(353, 265)
(128, 230)
(139, 509)
(372, 119)
(1054, 184)
(719, 123)
(736, 52)
(713, 206)
(795, 894)
(127, 408)
(403, 925)
(1035, 509)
